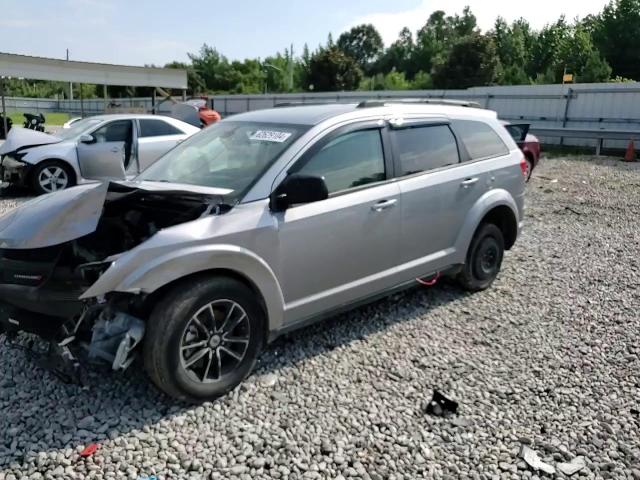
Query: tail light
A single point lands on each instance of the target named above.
(524, 167)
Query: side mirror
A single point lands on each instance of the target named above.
(86, 138)
(298, 189)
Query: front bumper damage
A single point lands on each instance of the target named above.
(52, 252)
(13, 171)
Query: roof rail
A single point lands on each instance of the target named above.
(419, 101)
(301, 104)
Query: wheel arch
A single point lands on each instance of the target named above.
(149, 272)
(504, 218)
(155, 296)
(497, 207)
(65, 162)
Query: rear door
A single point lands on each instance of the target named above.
(155, 138)
(444, 169)
(427, 161)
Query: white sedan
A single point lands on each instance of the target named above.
(95, 148)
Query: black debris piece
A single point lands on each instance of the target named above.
(441, 406)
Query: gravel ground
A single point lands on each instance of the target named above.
(549, 358)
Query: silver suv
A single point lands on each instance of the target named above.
(261, 224)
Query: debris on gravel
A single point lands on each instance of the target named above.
(572, 467)
(549, 358)
(533, 460)
(441, 406)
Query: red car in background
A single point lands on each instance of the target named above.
(207, 115)
(528, 143)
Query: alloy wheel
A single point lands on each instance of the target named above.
(53, 178)
(215, 341)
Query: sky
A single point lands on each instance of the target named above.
(142, 32)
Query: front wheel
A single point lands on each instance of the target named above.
(484, 259)
(203, 338)
(51, 176)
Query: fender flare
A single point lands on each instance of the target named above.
(159, 271)
(486, 203)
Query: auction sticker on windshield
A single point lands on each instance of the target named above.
(270, 136)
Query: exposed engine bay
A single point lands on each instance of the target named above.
(40, 287)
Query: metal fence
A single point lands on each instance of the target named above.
(579, 106)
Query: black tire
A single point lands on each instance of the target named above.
(170, 324)
(484, 259)
(51, 165)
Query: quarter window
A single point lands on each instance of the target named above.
(421, 149)
(157, 128)
(480, 139)
(349, 161)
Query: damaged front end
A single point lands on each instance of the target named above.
(54, 248)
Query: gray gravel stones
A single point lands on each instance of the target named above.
(548, 357)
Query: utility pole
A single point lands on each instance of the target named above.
(70, 83)
(4, 109)
(291, 69)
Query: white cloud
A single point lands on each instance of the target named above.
(538, 13)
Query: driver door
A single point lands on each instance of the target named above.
(336, 251)
(106, 154)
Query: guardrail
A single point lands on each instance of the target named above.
(588, 133)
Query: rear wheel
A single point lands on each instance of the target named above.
(203, 338)
(484, 259)
(51, 176)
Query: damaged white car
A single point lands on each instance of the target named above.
(259, 225)
(104, 146)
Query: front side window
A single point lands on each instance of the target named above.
(421, 149)
(78, 128)
(228, 155)
(480, 139)
(157, 128)
(349, 161)
(119, 131)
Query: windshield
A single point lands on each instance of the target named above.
(78, 128)
(228, 155)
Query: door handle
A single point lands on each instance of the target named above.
(115, 150)
(469, 182)
(384, 205)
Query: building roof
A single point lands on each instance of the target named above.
(39, 68)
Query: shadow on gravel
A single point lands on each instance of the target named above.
(46, 415)
(8, 191)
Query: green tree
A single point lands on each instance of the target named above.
(399, 55)
(364, 44)
(195, 82)
(580, 57)
(514, 48)
(330, 70)
(438, 36)
(547, 50)
(473, 61)
(616, 33)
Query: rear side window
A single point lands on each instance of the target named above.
(157, 128)
(421, 149)
(480, 139)
(351, 160)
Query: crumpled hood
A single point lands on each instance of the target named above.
(23, 137)
(67, 215)
(54, 218)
